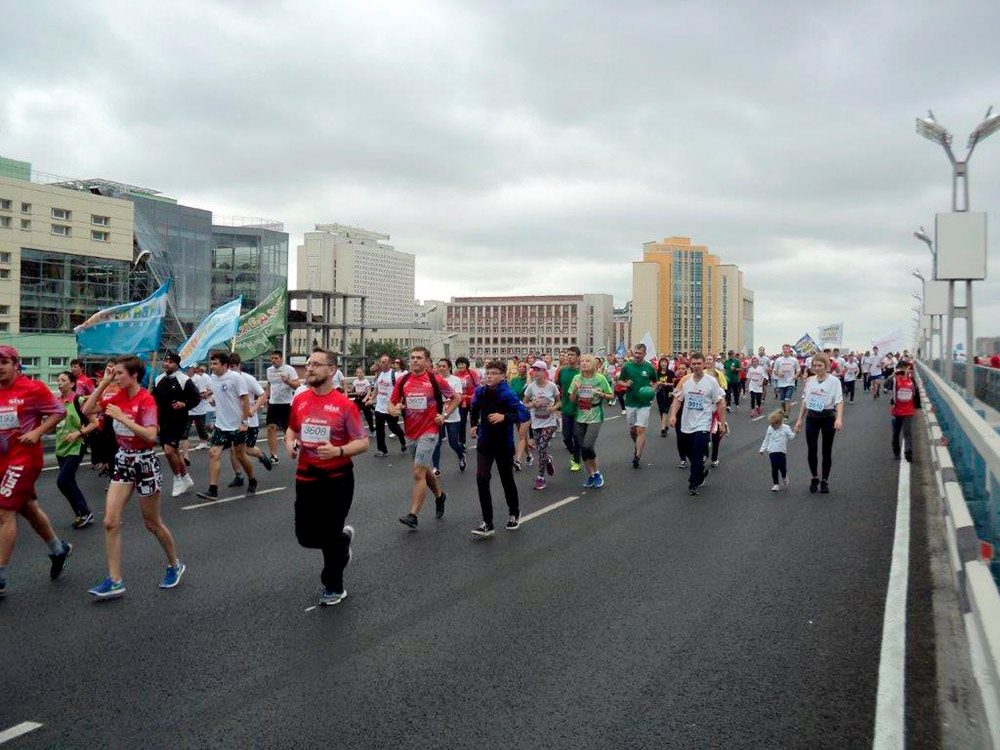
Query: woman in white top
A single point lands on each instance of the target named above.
(452, 427)
(756, 378)
(823, 411)
(359, 393)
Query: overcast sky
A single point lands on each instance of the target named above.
(531, 148)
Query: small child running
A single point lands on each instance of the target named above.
(776, 445)
(542, 397)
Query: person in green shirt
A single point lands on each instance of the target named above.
(517, 384)
(588, 391)
(732, 366)
(636, 375)
(564, 376)
(70, 433)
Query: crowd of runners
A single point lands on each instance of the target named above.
(511, 410)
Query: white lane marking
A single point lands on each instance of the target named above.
(230, 499)
(547, 508)
(890, 703)
(754, 419)
(16, 731)
(310, 609)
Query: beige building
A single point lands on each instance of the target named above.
(64, 255)
(687, 299)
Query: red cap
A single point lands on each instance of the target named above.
(9, 352)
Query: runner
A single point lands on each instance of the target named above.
(427, 399)
(906, 403)
(232, 407)
(517, 384)
(175, 393)
(258, 397)
(665, 379)
(542, 398)
(564, 377)
(452, 423)
(865, 362)
(282, 380)
(70, 436)
(637, 376)
(776, 445)
(28, 410)
(587, 392)
(324, 432)
(137, 468)
(850, 372)
(470, 381)
(823, 399)
(875, 373)
(84, 385)
(496, 410)
(359, 389)
(757, 378)
(103, 443)
(385, 382)
(733, 368)
(784, 373)
(197, 415)
(698, 395)
(682, 374)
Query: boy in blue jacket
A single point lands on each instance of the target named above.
(494, 412)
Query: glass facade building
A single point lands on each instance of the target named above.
(249, 258)
(61, 290)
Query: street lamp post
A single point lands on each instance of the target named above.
(930, 129)
(922, 338)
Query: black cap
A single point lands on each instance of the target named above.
(173, 357)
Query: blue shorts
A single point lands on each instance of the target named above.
(785, 392)
(876, 376)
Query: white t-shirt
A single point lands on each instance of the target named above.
(456, 385)
(228, 390)
(542, 416)
(755, 379)
(384, 383)
(301, 389)
(202, 383)
(281, 392)
(552, 373)
(360, 387)
(851, 370)
(255, 390)
(822, 395)
(338, 380)
(700, 398)
(784, 370)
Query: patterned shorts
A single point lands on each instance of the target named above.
(139, 468)
(250, 436)
(226, 438)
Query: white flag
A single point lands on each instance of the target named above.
(830, 335)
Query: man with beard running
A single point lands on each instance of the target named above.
(324, 431)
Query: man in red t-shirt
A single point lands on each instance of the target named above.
(905, 402)
(136, 467)
(426, 399)
(28, 410)
(324, 432)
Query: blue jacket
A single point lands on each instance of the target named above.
(501, 401)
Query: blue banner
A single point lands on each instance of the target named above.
(215, 330)
(125, 329)
(620, 351)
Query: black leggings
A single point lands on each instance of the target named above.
(849, 388)
(779, 467)
(816, 425)
(733, 393)
(756, 400)
(504, 459)
(365, 409)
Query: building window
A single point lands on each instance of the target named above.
(26, 225)
(29, 361)
(4, 273)
(25, 208)
(61, 229)
(58, 361)
(100, 236)
(4, 257)
(100, 221)
(5, 222)
(4, 204)
(4, 309)
(62, 214)
(4, 327)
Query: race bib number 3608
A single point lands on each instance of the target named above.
(315, 434)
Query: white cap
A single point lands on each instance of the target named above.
(539, 365)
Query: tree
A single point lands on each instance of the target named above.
(376, 347)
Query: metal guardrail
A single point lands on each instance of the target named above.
(987, 380)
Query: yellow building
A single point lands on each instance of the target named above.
(686, 298)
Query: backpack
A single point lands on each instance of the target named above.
(438, 398)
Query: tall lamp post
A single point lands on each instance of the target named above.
(930, 129)
(922, 337)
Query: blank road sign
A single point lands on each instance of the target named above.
(936, 298)
(961, 246)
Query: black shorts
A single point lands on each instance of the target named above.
(172, 433)
(140, 468)
(250, 436)
(278, 414)
(226, 438)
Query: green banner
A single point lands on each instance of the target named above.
(259, 326)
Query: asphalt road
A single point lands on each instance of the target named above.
(634, 616)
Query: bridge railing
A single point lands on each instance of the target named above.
(987, 380)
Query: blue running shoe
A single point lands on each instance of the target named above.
(590, 481)
(108, 589)
(173, 575)
(329, 598)
(598, 480)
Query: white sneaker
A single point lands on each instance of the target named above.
(775, 488)
(715, 464)
(188, 481)
(179, 486)
(784, 482)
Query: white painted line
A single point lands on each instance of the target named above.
(310, 609)
(547, 508)
(890, 703)
(754, 419)
(16, 731)
(230, 499)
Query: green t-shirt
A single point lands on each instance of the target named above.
(70, 423)
(641, 376)
(732, 370)
(566, 375)
(590, 410)
(518, 385)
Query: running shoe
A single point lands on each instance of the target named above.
(252, 486)
(210, 494)
(813, 484)
(775, 488)
(59, 561)
(173, 575)
(483, 530)
(598, 480)
(784, 482)
(274, 460)
(349, 533)
(513, 523)
(179, 487)
(461, 463)
(663, 432)
(715, 464)
(549, 466)
(528, 459)
(265, 460)
(3, 588)
(108, 589)
(439, 505)
(517, 466)
(84, 521)
(540, 483)
(635, 462)
(437, 472)
(590, 481)
(693, 491)
(824, 488)
(381, 454)
(409, 520)
(329, 598)
(908, 455)
(683, 464)
(704, 478)
(402, 447)
(237, 481)
(188, 481)
(573, 465)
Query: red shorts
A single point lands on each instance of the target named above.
(17, 484)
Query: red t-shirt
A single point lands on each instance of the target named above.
(903, 389)
(23, 406)
(318, 419)
(470, 381)
(420, 409)
(141, 409)
(84, 386)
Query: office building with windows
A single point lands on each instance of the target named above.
(249, 259)
(622, 327)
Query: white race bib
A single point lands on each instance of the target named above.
(694, 402)
(315, 434)
(9, 419)
(816, 402)
(121, 429)
(904, 394)
(417, 402)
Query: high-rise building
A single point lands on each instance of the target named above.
(686, 298)
(339, 258)
(508, 326)
(622, 326)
